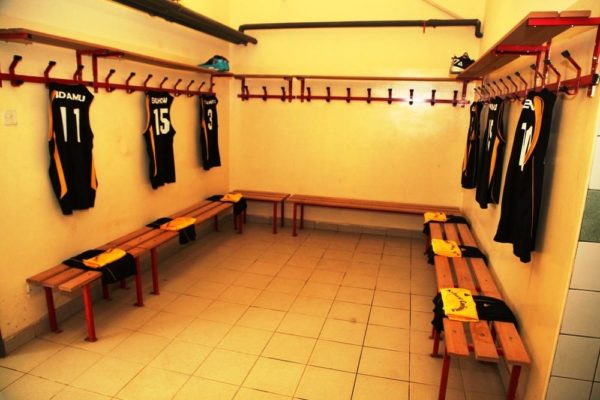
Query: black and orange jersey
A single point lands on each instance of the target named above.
(489, 171)
(525, 175)
(159, 136)
(209, 132)
(70, 141)
(471, 156)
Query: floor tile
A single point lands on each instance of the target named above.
(274, 300)
(384, 363)
(303, 261)
(359, 281)
(420, 321)
(199, 388)
(343, 331)
(391, 317)
(339, 254)
(429, 392)
(252, 394)
(311, 306)
(428, 370)
(109, 337)
(263, 268)
(139, 347)
(289, 348)
(325, 276)
(352, 312)
(275, 376)
(421, 303)
(31, 354)
(372, 388)
(153, 384)
(8, 376)
(293, 272)
(355, 295)
(335, 355)
(302, 325)
(286, 285)
(384, 337)
(321, 290)
(30, 387)
(66, 365)
(226, 366)
(180, 356)
(221, 311)
(187, 305)
(481, 377)
(207, 290)
(204, 332)
(71, 393)
(166, 324)
(261, 318)
(391, 299)
(274, 257)
(239, 295)
(129, 317)
(325, 384)
(108, 376)
(252, 280)
(245, 340)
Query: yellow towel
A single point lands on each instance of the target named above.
(435, 216)
(459, 304)
(102, 259)
(232, 197)
(446, 248)
(177, 224)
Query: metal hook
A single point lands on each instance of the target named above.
(518, 74)
(15, 82)
(411, 93)
(432, 102)
(389, 99)
(455, 98)
(163, 82)
(348, 97)
(567, 55)
(106, 80)
(500, 93)
(264, 88)
(537, 74)
(127, 88)
(549, 65)
(283, 93)
(146, 81)
(308, 94)
(506, 87)
(51, 65)
(328, 99)
(516, 95)
(368, 95)
(176, 92)
(78, 75)
(188, 88)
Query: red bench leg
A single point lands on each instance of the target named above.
(444, 379)
(89, 314)
(436, 344)
(244, 216)
(240, 223)
(301, 216)
(274, 217)
(154, 264)
(138, 283)
(282, 213)
(514, 382)
(216, 222)
(294, 233)
(51, 310)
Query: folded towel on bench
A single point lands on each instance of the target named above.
(112, 272)
(458, 304)
(449, 248)
(441, 217)
(108, 256)
(239, 203)
(186, 234)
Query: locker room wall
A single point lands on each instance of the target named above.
(538, 290)
(392, 152)
(36, 235)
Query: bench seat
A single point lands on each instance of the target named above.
(300, 200)
(276, 198)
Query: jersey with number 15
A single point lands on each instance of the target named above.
(159, 135)
(70, 141)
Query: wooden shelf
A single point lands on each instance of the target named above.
(27, 36)
(524, 34)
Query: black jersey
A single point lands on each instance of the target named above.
(209, 132)
(70, 140)
(489, 171)
(159, 135)
(525, 175)
(471, 156)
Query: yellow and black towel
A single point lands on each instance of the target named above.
(178, 223)
(459, 304)
(449, 248)
(114, 270)
(239, 202)
(186, 234)
(108, 256)
(435, 216)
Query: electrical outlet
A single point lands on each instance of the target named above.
(10, 117)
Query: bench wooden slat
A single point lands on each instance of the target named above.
(205, 215)
(511, 343)
(435, 230)
(63, 277)
(137, 251)
(456, 339)
(464, 278)
(483, 343)
(466, 235)
(156, 241)
(43, 276)
(126, 238)
(487, 286)
(190, 209)
(79, 281)
(262, 196)
(443, 273)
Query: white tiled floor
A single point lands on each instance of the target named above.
(324, 315)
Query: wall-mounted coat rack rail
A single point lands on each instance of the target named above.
(95, 51)
(533, 37)
(307, 95)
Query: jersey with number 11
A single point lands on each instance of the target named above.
(70, 141)
(159, 135)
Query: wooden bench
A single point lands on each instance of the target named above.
(69, 280)
(271, 197)
(488, 340)
(357, 204)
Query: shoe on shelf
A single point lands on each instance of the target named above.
(459, 64)
(216, 63)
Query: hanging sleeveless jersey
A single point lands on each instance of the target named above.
(209, 132)
(489, 171)
(70, 140)
(159, 135)
(471, 156)
(525, 175)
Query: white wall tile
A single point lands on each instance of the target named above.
(571, 389)
(581, 314)
(595, 178)
(576, 357)
(586, 273)
(595, 391)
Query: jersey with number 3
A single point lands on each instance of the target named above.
(209, 132)
(70, 141)
(159, 135)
